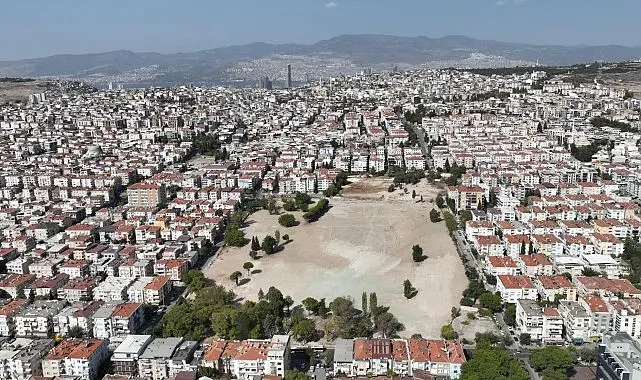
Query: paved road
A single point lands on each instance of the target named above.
(420, 134)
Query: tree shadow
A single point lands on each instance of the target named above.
(256, 271)
(243, 281)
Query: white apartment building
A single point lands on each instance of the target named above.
(37, 319)
(513, 288)
(543, 324)
(73, 357)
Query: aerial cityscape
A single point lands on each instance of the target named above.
(451, 208)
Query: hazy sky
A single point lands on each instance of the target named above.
(35, 28)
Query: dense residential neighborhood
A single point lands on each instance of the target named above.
(109, 199)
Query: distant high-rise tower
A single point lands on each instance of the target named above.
(265, 83)
(289, 76)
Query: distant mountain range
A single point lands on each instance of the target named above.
(352, 52)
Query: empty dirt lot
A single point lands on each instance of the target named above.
(359, 245)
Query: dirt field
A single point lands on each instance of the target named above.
(11, 92)
(363, 243)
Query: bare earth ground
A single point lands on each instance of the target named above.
(11, 92)
(359, 245)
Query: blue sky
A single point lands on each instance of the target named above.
(35, 28)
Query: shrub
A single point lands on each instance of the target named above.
(287, 220)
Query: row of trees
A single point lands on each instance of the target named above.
(600, 122)
(456, 172)
(340, 181)
(300, 201)
(344, 320)
(316, 211)
(412, 176)
(632, 255)
(270, 244)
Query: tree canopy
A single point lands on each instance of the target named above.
(552, 358)
(493, 363)
(234, 236)
(287, 220)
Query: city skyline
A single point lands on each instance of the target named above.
(40, 28)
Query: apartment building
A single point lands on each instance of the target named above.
(543, 324)
(7, 316)
(619, 357)
(145, 194)
(36, 320)
(576, 321)
(249, 358)
(439, 358)
(553, 288)
(153, 363)
(21, 358)
(79, 316)
(513, 288)
(125, 357)
(466, 197)
(74, 357)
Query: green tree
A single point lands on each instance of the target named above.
(269, 244)
(234, 236)
(587, 354)
(311, 305)
(417, 253)
(76, 332)
(248, 267)
(195, 280)
(277, 237)
(435, 216)
(286, 238)
(235, 276)
(373, 303)
(387, 324)
(316, 211)
(509, 316)
(302, 199)
(408, 290)
(489, 363)
(364, 302)
(448, 332)
(464, 217)
(330, 191)
(525, 339)
(440, 201)
(223, 322)
(553, 374)
(552, 357)
(287, 220)
(450, 222)
(305, 330)
(491, 301)
(255, 244)
(295, 375)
